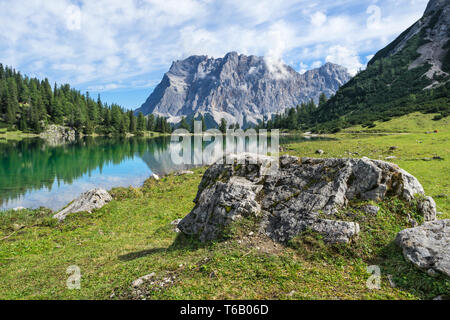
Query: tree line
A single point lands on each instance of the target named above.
(30, 104)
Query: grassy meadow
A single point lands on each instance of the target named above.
(132, 237)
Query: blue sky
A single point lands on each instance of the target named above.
(122, 48)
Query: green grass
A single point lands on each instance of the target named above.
(415, 122)
(132, 237)
(14, 135)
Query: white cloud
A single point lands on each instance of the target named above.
(346, 57)
(316, 64)
(318, 19)
(124, 41)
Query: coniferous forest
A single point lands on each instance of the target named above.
(29, 105)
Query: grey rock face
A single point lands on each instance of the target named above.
(57, 135)
(434, 26)
(88, 201)
(237, 88)
(298, 197)
(427, 246)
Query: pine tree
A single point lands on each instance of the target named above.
(151, 123)
(184, 124)
(141, 122)
(223, 126)
(322, 99)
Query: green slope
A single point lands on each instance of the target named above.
(390, 87)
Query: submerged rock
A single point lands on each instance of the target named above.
(427, 246)
(298, 197)
(88, 201)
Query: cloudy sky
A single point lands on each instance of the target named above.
(121, 48)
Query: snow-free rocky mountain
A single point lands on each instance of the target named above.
(241, 89)
(433, 30)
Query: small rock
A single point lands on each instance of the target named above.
(391, 281)
(184, 172)
(393, 148)
(17, 226)
(320, 152)
(438, 158)
(391, 158)
(371, 209)
(154, 176)
(336, 231)
(139, 282)
(427, 207)
(175, 224)
(88, 201)
(250, 234)
(427, 246)
(291, 294)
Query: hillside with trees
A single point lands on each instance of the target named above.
(409, 75)
(29, 105)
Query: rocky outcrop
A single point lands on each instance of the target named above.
(428, 246)
(56, 135)
(241, 89)
(88, 201)
(304, 194)
(433, 30)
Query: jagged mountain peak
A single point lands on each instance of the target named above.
(239, 88)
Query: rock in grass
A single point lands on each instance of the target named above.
(139, 282)
(174, 224)
(427, 246)
(88, 201)
(428, 208)
(296, 198)
(371, 210)
(182, 173)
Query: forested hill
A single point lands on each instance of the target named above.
(411, 74)
(30, 104)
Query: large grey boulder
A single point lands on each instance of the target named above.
(88, 201)
(303, 194)
(427, 246)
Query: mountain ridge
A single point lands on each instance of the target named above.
(241, 89)
(411, 74)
